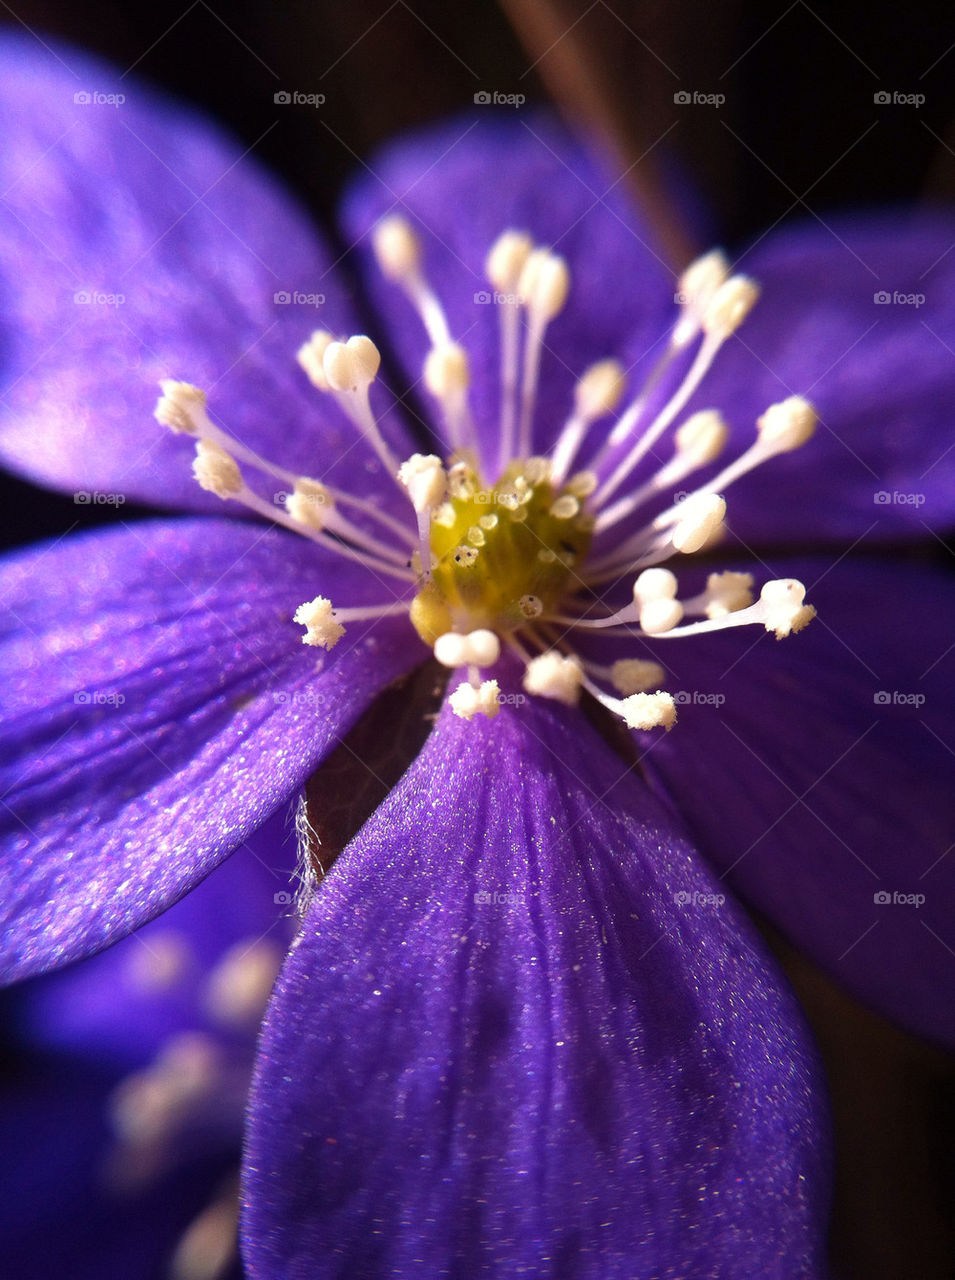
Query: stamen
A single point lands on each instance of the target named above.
(503, 268)
(780, 609)
(323, 622)
(725, 593)
(551, 675)
(350, 368)
(598, 392)
(398, 251)
(425, 479)
(468, 702)
(239, 986)
(643, 711)
(447, 376)
(726, 311)
(311, 356)
(216, 470)
(699, 441)
(543, 286)
(480, 648)
(321, 628)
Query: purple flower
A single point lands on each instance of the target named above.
(523, 1028)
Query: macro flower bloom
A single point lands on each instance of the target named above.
(523, 1028)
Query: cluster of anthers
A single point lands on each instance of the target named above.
(522, 563)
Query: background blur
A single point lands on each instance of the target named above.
(775, 111)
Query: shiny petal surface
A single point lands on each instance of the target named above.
(816, 773)
(518, 1037)
(139, 243)
(461, 185)
(158, 704)
(119, 1008)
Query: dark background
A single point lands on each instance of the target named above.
(799, 132)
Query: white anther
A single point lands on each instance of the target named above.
(216, 470)
(446, 370)
(701, 279)
(544, 283)
(702, 437)
(484, 648)
(730, 305)
(582, 484)
(310, 503)
(468, 702)
(397, 248)
(649, 711)
(728, 592)
(240, 984)
(451, 649)
(181, 407)
(321, 628)
(600, 389)
(654, 584)
(310, 356)
(787, 425)
(352, 364)
(479, 648)
(660, 615)
(531, 606)
(700, 517)
(784, 611)
(551, 675)
(506, 260)
(565, 507)
(425, 479)
(634, 675)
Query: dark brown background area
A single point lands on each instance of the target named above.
(799, 131)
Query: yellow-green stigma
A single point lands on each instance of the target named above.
(502, 556)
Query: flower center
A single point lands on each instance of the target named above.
(534, 561)
(502, 557)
